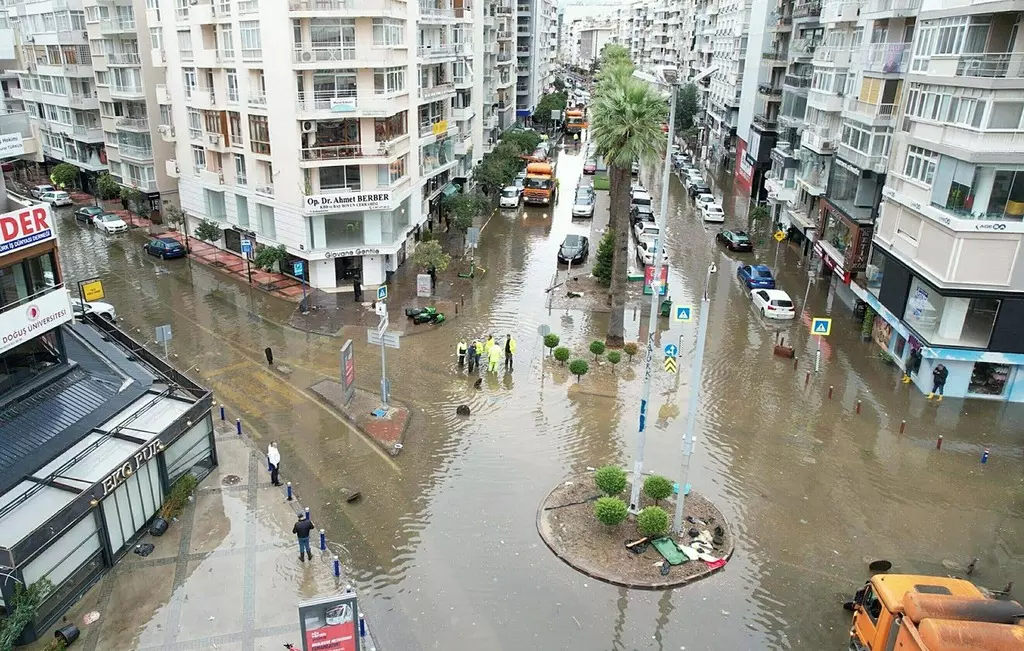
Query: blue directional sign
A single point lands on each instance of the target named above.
(821, 326)
(382, 292)
(671, 350)
(247, 246)
(683, 312)
(299, 268)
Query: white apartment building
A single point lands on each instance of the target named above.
(329, 128)
(730, 20)
(536, 34)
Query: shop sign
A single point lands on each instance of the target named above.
(11, 144)
(330, 623)
(91, 290)
(350, 253)
(42, 314)
(857, 256)
(129, 467)
(349, 202)
(20, 229)
(343, 104)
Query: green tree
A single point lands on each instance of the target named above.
(610, 511)
(463, 208)
(614, 357)
(757, 214)
(605, 258)
(558, 84)
(107, 187)
(657, 488)
(429, 255)
(610, 480)
(269, 258)
(551, 340)
(627, 115)
(551, 102)
(21, 611)
(686, 107)
(524, 142)
(497, 168)
(597, 348)
(209, 231)
(173, 215)
(65, 176)
(137, 202)
(652, 521)
(562, 355)
(630, 349)
(579, 368)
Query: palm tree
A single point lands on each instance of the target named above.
(626, 119)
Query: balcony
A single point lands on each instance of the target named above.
(463, 146)
(113, 26)
(891, 8)
(127, 92)
(775, 57)
(312, 104)
(347, 8)
(333, 153)
(435, 127)
(503, 10)
(875, 113)
(123, 59)
(824, 100)
(886, 58)
(797, 81)
(211, 177)
(837, 56)
(807, 10)
(490, 122)
(437, 51)
(819, 139)
(214, 141)
(135, 152)
(464, 81)
(803, 48)
(258, 100)
(504, 58)
(973, 144)
(782, 23)
(87, 134)
(769, 90)
(200, 97)
(861, 160)
(436, 15)
(83, 101)
(462, 113)
(437, 90)
(171, 168)
(265, 190)
(978, 66)
(765, 123)
(133, 124)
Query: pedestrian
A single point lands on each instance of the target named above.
(302, 530)
(510, 349)
(461, 351)
(493, 357)
(939, 376)
(389, 269)
(433, 278)
(274, 461)
(913, 364)
(476, 356)
(357, 290)
(473, 355)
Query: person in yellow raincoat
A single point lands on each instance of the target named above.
(488, 344)
(493, 357)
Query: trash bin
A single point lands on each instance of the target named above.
(666, 307)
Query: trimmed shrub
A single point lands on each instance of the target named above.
(657, 488)
(562, 355)
(610, 480)
(631, 349)
(610, 511)
(614, 357)
(597, 348)
(551, 340)
(579, 368)
(652, 521)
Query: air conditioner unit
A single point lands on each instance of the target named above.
(308, 126)
(307, 56)
(214, 138)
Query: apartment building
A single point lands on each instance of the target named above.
(945, 270)
(536, 43)
(728, 43)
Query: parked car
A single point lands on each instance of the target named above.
(691, 181)
(704, 197)
(641, 213)
(640, 198)
(109, 223)
(105, 310)
(698, 189)
(574, 249)
(590, 167)
(712, 212)
(773, 303)
(583, 205)
(645, 253)
(40, 190)
(165, 248)
(634, 168)
(645, 231)
(757, 276)
(735, 240)
(56, 198)
(636, 186)
(86, 213)
(510, 197)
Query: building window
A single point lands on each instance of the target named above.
(389, 175)
(340, 178)
(249, 35)
(265, 221)
(235, 129)
(156, 38)
(232, 86)
(333, 83)
(27, 278)
(195, 124)
(950, 320)
(241, 178)
(181, 9)
(921, 164)
(242, 210)
(388, 31)
(332, 34)
(389, 80)
(988, 379)
(1006, 115)
(259, 134)
(198, 159)
(386, 129)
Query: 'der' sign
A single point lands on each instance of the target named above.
(23, 228)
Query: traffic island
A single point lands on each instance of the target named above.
(568, 526)
(386, 429)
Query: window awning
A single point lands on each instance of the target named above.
(449, 190)
(704, 74)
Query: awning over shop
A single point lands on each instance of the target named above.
(449, 190)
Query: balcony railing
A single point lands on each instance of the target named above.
(775, 56)
(769, 90)
(878, 111)
(862, 160)
(431, 127)
(116, 26)
(766, 123)
(258, 99)
(439, 50)
(136, 152)
(88, 133)
(267, 189)
(885, 57)
(807, 9)
(80, 99)
(316, 54)
(123, 59)
(797, 81)
(337, 152)
(436, 12)
(991, 66)
(437, 90)
(133, 124)
(134, 91)
(908, 7)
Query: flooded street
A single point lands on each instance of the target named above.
(444, 541)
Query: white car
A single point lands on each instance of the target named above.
(56, 198)
(40, 190)
(583, 204)
(645, 253)
(773, 303)
(640, 198)
(712, 212)
(105, 310)
(704, 198)
(646, 231)
(110, 223)
(510, 197)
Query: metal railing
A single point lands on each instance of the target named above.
(766, 123)
(141, 124)
(336, 152)
(885, 57)
(991, 66)
(881, 111)
(439, 50)
(807, 9)
(257, 99)
(769, 90)
(797, 81)
(116, 26)
(266, 190)
(136, 152)
(124, 58)
(437, 90)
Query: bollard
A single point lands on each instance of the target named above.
(362, 625)
(938, 443)
(795, 358)
(984, 456)
(807, 380)
(289, 491)
(830, 387)
(238, 426)
(307, 512)
(858, 406)
(463, 300)
(222, 412)
(337, 567)
(903, 427)
(323, 540)
(456, 308)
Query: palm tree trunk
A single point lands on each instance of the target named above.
(619, 223)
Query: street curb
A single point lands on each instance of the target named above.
(623, 584)
(392, 452)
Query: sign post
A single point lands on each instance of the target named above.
(820, 327)
(90, 290)
(779, 236)
(163, 335)
(382, 327)
(299, 268)
(247, 252)
(348, 371)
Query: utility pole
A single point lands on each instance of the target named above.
(652, 323)
(691, 415)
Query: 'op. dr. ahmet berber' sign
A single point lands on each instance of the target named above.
(349, 201)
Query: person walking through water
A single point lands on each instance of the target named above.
(493, 357)
(913, 365)
(302, 530)
(274, 461)
(461, 351)
(510, 349)
(939, 376)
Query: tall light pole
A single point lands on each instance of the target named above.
(703, 316)
(652, 323)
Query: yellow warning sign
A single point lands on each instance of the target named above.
(670, 364)
(92, 290)
(779, 236)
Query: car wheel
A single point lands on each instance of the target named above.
(762, 312)
(106, 317)
(163, 255)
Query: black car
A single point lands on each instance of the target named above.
(574, 249)
(86, 213)
(698, 189)
(640, 213)
(165, 247)
(735, 240)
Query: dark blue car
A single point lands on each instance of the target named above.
(165, 248)
(756, 276)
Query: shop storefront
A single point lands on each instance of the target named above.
(844, 243)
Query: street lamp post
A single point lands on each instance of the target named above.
(652, 324)
(703, 316)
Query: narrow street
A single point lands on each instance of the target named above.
(444, 541)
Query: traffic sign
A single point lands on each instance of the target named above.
(247, 246)
(684, 312)
(670, 364)
(381, 309)
(299, 268)
(671, 350)
(779, 236)
(382, 293)
(382, 327)
(388, 339)
(821, 326)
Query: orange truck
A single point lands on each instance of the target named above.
(539, 185)
(905, 612)
(575, 121)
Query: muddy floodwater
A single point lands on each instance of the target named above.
(444, 542)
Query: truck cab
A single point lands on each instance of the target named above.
(539, 185)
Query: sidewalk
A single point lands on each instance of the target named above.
(226, 575)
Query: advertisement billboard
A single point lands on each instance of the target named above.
(33, 317)
(25, 227)
(348, 370)
(330, 623)
(744, 169)
(348, 202)
(649, 278)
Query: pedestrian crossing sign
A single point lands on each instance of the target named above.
(670, 364)
(684, 312)
(821, 326)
